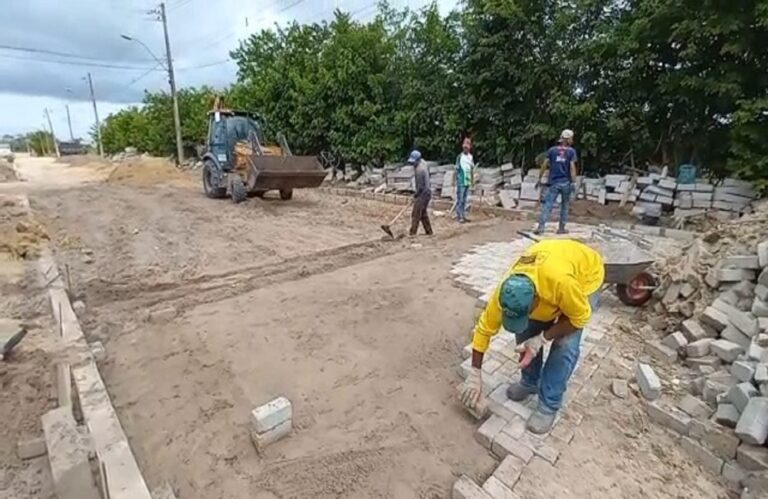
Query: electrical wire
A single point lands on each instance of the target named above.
(31, 50)
(75, 63)
(142, 75)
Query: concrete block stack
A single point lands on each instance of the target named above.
(401, 178)
(437, 178)
(513, 177)
(733, 196)
(488, 182)
(448, 189)
(616, 186)
(529, 193)
(594, 190)
(726, 346)
(271, 422)
(692, 199)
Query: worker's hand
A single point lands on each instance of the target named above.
(529, 349)
(473, 387)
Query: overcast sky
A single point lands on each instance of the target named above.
(202, 34)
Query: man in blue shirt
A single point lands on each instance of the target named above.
(561, 163)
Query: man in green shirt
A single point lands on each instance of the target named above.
(465, 166)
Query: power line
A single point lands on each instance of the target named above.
(75, 63)
(178, 5)
(56, 53)
(207, 65)
(158, 65)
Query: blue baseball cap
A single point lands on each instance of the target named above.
(414, 157)
(516, 301)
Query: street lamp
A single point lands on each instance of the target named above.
(168, 66)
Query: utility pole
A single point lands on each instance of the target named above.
(172, 81)
(53, 135)
(96, 115)
(69, 122)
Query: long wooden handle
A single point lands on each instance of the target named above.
(397, 217)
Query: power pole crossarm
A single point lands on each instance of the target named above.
(96, 116)
(172, 81)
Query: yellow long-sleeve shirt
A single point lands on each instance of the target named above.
(564, 273)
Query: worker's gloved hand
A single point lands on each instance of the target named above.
(473, 387)
(529, 349)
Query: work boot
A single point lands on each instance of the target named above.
(519, 392)
(562, 230)
(538, 231)
(540, 422)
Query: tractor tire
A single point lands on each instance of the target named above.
(286, 194)
(238, 191)
(211, 190)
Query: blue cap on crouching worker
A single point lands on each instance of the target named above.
(414, 157)
(516, 300)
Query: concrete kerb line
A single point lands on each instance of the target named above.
(109, 440)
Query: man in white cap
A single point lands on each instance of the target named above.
(547, 296)
(561, 163)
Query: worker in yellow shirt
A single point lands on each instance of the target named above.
(547, 296)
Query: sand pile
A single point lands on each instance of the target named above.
(7, 173)
(20, 238)
(146, 172)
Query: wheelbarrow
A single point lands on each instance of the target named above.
(625, 267)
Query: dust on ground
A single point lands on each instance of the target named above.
(26, 374)
(20, 237)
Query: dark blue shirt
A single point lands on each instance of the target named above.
(560, 159)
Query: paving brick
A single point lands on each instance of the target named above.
(660, 352)
(695, 407)
(509, 470)
(761, 292)
(668, 417)
(732, 334)
(540, 448)
(714, 318)
(466, 488)
(755, 352)
(744, 289)
(752, 457)
(762, 254)
(749, 262)
(761, 373)
(735, 275)
(740, 394)
(710, 362)
(743, 370)
(262, 439)
(744, 321)
(763, 277)
(733, 476)
(676, 341)
(687, 290)
(649, 383)
(620, 388)
(708, 460)
(752, 427)
(721, 441)
(693, 331)
(505, 445)
(488, 430)
(698, 348)
(727, 415)
(515, 427)
(498, 490)
(31, 448)
(68, 452)
(729, 296)
(759, 308)
(273, 413)
(712, 389)
(726, 350)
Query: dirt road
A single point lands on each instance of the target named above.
(298, 298)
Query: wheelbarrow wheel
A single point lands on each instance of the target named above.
(637, 291)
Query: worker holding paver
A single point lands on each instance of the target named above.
(561, 164)
(546, 297)
(422, 196)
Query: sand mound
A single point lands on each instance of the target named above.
(84, 160)
(20, 238)
(146, 172)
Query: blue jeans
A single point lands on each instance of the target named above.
(550, 378)
(462, 191)
(562, 189)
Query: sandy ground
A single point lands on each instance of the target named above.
(302, 299)
(26, 375)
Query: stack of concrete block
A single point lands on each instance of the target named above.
(733, 195)
(594, 189)
(513, 177)
(692, 199)
(725, 420)
(401, 178)
(489, 182)
(271, 422)
(615, 186)
(448, 189)
(437, 177)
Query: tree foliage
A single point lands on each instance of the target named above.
(647, 81)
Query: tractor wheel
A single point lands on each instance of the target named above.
(286, 194)
(238, 190)
(210, 186)
(634, 293)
